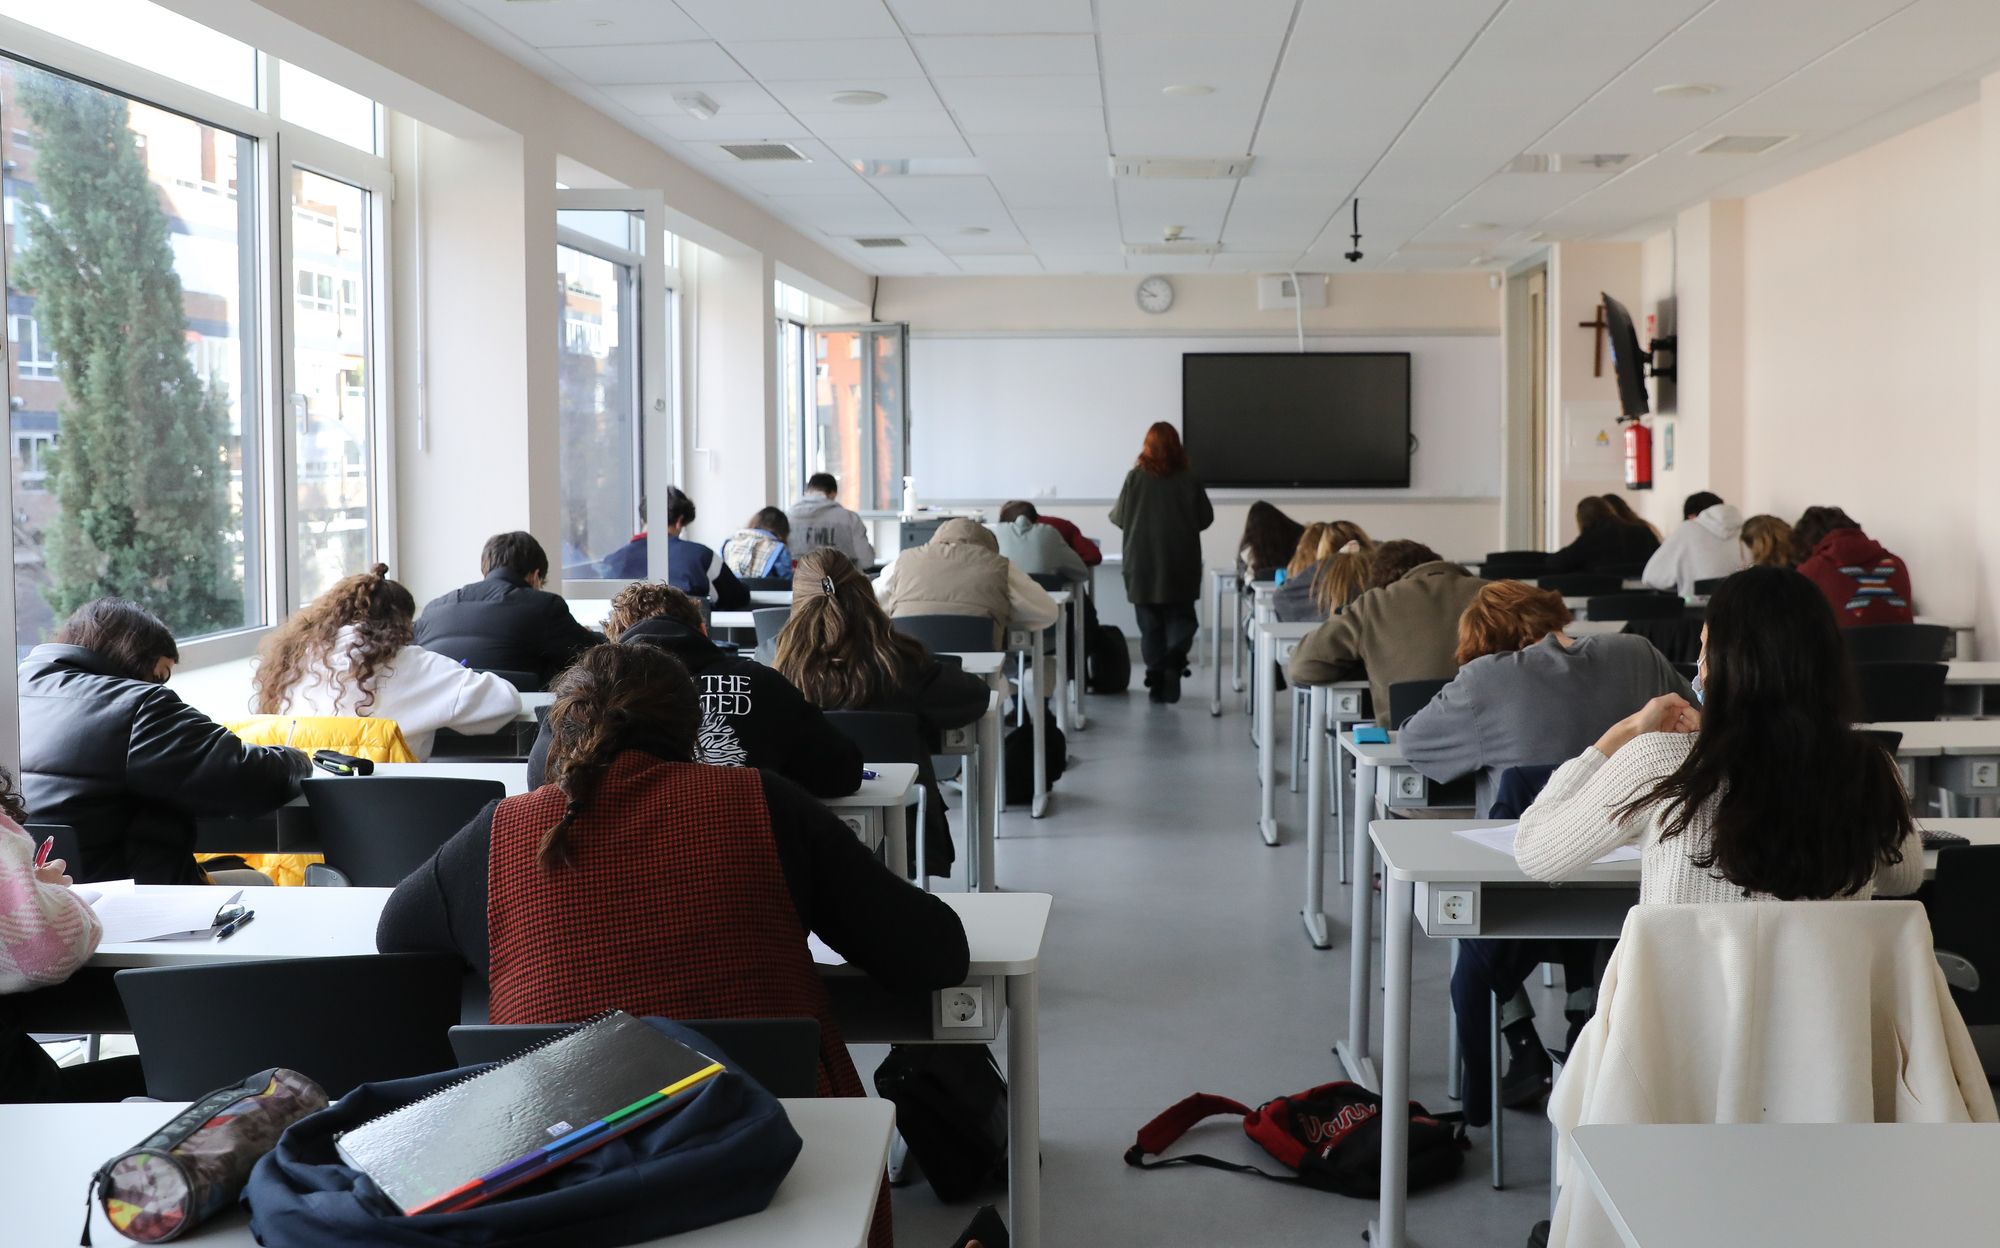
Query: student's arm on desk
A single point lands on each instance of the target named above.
(1442, 740)
(1029, 604)
(888, 927)
(949, 697)
(1575, 821)
(1329, 653)
(563, 638)
(441, 907)
(182, 759)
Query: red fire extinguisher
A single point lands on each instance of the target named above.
(1638, 455)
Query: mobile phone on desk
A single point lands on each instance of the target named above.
(343, 764)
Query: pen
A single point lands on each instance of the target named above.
(230, 928)
(42, 854)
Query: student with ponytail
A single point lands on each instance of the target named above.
(351, 651)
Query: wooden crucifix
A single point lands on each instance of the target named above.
(1600, 324)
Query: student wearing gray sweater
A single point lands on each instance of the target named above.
(1526, 694)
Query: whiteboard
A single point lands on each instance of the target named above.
(1062, 417)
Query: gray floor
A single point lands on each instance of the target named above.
(1176, 963)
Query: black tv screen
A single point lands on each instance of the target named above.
(1327, 420)
(1625, 358)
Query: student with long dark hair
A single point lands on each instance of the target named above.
(1163, 509)
(1269, 538)
(1766, 791)
(1605, 541)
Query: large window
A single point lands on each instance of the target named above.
(859, 429)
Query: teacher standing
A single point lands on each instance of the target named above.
(1162, 509)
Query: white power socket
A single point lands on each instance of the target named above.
(1986, 774)
(963, 1007)
(1456, 907)
(1410, 785)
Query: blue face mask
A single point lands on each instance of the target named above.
(1697, 689)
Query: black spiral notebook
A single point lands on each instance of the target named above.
(526, 1116)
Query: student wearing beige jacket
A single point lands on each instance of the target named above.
(1403, 627)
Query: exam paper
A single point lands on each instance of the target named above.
(149, 915)
(1502, 839)
(823, 954)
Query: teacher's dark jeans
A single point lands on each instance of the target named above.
(1166, 633)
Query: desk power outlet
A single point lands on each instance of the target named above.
(1456, 907)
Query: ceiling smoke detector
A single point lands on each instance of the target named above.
(696, 105)
(1743, 144)
(1180, 166)
(856, 99)
(764, 151)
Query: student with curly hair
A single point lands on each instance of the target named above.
(351, 651)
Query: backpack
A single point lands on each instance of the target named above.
(1020, 759)
(1329, 1137)
(1109, 661)
(951, 1106)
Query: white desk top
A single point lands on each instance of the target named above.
(47, 1153)
(1061, 597)
(732, 619)
(770, 597)
(1003, 931)
(981, 662)
(531, 702)
(1378, 755)
(1429, 851)
(1773, 1186)
(1928, 738)
(589, 612)
(1971, 672)
(1283, 630)
(891, 787)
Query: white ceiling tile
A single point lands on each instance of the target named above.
(998, 240)
(657, 100)
(1000, 265)
(782, 60)
(1160, 60)
(649, 63)
(1043, 147)
(1275, 224)
(1146, 206)
(1082, 262)
(1040, 91)
(861, 123)
(901, 147)
(1163, 133)
(995, 56)
(983, 17)
(1198, 17)
(727, 128)
(791, 19)
(1073, 122)
(815, 95)
(590, 21)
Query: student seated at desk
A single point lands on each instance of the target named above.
(1766, 792)
(1526, 694)
(841, 651)
(109, 750)
(640, 879)
(1325, 574)
(1072, 536)
(960, 571)
(1269, 538)
(352, 651)
(506, 621)
(693, 568)
(1863, 580)
(1704, 548)
(1036, 548)
(820, 520)
(750, 715)
(1604, 541)
(1403, 627)
(759, 549)
(1768, 543)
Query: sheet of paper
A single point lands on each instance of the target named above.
(823, 955)
(1502, 839)
(91, 892)
(149, 915)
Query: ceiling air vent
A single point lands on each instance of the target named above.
(1742, 144)
(1180, 166)
(1567, 162)
(764, 151)
(873, 243)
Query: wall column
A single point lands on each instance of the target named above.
(731, 434)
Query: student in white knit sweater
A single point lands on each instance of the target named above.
(1766, 792)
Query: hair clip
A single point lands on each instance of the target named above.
(826, 586)
(1352, 548)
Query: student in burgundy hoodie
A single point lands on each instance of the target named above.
(1864, 581)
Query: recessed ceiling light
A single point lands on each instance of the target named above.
(696, 105)
(1187, 88)
(1685, 90)
(1479, 225)
(856, 98)
(973, 229)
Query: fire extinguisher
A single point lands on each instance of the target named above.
(1638, 455)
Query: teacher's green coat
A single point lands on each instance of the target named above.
(1162, 518)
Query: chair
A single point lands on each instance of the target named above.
(1704, 588)
(1503, 565)
(973, 634)
(1898, 692)
(341, 1021)
(1897, 643)
(895, 737)
(769, 621)
(1054, 582)
(526, 682)
(1678, 639)
(376, 830)
(1634, 607)
(1688, 671)
(66, 847)
(1581, 584)
(1407, 697)
(1967, 939)
(780, 1053)
(766, 582)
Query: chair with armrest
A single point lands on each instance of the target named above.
(769, 622)
(1968, 941)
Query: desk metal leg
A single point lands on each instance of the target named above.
(974, 821)
(1353, 1051)
(1215, 648)
(1024, 1112)
(1298, 742)
(1267, 751)
(1039, 674)
(1397, 920)
(1239, 641)
(1060, 635)
(1315, 911)
(1341, 783)
(1079, 630)
(895, 845)
(989, 793)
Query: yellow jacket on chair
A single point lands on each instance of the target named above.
(378, 740)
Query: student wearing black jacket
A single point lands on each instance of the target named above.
(1604, 542)
(751, 716)
(506, 621)
(841, 651)
(108, 749)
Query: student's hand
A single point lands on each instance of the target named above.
(1669, 712)
(54, 871)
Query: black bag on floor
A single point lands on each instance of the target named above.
(1020, 764)
(951, 1106)
(1110, 669)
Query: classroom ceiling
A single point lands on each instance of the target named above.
(1007, 110)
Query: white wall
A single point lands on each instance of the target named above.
(1583, 401)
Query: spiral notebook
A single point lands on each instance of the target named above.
(520, 1119)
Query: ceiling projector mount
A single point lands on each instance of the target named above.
(1354, 256)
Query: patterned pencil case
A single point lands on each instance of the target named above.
(195, 1166)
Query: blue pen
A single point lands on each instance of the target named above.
(234, 925)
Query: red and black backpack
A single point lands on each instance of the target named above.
(1329, 1137)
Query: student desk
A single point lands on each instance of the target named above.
(979, 745)
(1972, 690)
(1334, 707)
(1073, 668)
(1763, 1185)
(1222, 598)
(1003, 931)
(722, 621)
(1028, 643)
(1421, 857)
(770, 597)
(47, 1153)
(1272, 643)
(1959, 756)
(590, 612)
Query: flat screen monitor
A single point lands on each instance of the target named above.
(1324, 420)
(1625, 358)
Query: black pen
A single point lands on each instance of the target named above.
(229, 929)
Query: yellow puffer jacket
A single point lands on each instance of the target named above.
(379, 740)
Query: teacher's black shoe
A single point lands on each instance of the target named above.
(1170, 679)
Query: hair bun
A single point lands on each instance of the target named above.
(380, 571)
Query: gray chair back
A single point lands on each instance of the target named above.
(376, 830)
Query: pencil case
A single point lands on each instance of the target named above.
(195, 1166)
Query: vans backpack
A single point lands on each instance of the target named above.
(1328, 1137)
